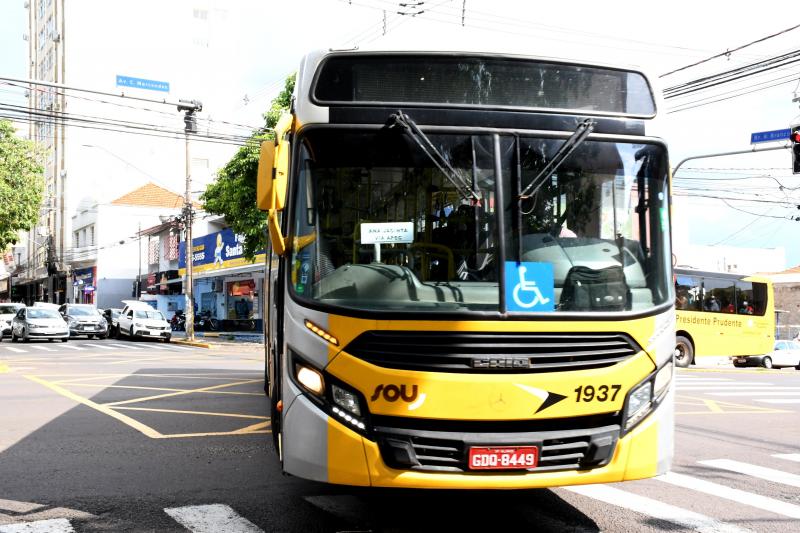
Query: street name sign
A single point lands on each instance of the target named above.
(140, 83)
(769, 136)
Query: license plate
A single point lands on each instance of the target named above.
(88, 327)
(503, 458)
(144, 332)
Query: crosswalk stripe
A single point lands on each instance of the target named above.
(18, 350)
(55, 525)
(736, 495)
(102, 347)
(778, 400)
(126, 346)
(759, 393)
(71, 346)
(788, 456)
(732, 384)
(159, 348)
(173, 347)
(43, 348)
(212, 519)
(654, 508)
(743, 388)
(761, 472)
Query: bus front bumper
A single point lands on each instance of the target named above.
(342, 456)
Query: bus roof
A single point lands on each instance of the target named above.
(721, 275)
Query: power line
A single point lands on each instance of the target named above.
(678, 110)
(727, 53)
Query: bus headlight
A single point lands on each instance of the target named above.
(310, 379)
(638, 403)
(647, 395)
(345, 399)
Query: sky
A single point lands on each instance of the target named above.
(744, 200)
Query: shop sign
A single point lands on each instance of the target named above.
(223, 249)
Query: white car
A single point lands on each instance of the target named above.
(38, 323)
(784, 354)
(140, 320)
(7, 313)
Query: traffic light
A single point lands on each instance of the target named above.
(794, 138)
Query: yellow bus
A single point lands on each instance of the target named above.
(721, 314)
(472, 273)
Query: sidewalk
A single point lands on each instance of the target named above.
(210, 339)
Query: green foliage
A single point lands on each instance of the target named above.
(21, 184)
(233, 193)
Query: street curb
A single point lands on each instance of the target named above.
(191, 343)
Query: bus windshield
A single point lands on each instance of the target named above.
(379, 225)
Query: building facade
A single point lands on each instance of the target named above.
(100, 147)
(226, 286)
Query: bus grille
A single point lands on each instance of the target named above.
(448, 452)
(484, 352)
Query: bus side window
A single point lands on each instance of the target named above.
(719, 295)
(687, 293)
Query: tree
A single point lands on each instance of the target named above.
(21, 184)
(233, 193)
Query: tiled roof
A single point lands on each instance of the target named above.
(151, 195)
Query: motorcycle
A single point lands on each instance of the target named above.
(205, 322)
(178, 322)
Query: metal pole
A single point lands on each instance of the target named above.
(719, 154)
(139, 276)
(189, 289)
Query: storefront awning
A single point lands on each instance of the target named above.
(256, 268)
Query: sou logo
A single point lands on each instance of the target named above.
(392, 393)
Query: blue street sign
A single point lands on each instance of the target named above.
(769, 136)
(139, 83)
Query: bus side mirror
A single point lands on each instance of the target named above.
(281, 173)
(275, 234)
(264, 185)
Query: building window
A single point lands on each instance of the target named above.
(76, 239)
(91, 235)
(152, 251)
(41, 9)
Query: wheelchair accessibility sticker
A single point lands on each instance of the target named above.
(529, 287)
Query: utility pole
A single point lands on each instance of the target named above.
(139, 275)
(190, 126)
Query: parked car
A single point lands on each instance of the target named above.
(7, 312)
(38, 323)
(784, 354)
(84, 319)
(112, 315)
(138, 319)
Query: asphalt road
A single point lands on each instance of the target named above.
(102, 436)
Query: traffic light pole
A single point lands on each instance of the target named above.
(720, 154)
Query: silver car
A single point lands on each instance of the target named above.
(7, 312)
(38, 323)
(84, 319)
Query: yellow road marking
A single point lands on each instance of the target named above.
(135, 424)
(147, 430)
(3, 368)
(254, 428)
(135, 387)
(217, 434)
(720, 407)
(713, 406)
(182, 412)
(219, 376)
(168, 395)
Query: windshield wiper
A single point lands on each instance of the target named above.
(581, 132)
(410, 128)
